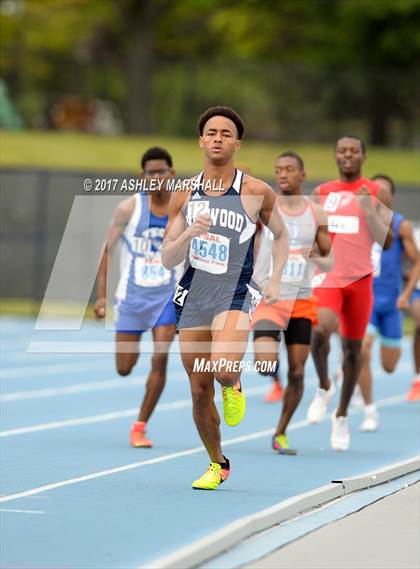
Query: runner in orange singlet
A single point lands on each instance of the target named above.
(356, 219)
(294, 314)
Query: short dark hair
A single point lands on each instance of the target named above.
(222, 111)
(156, 153)
(362, 144)
(295, 155)
(388, 179)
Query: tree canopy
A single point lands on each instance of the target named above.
(295, 68)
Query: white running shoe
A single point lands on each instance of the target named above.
(357, 401)
(338, 376)
(319, 406)
(340, 433)
(370, 423)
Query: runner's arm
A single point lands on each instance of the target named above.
(321, 253)
(263, 246)
(410, 250)
(270, 216)
(385, 216)
(178, 236)
(122, 215)
(257, 238)
(379, 217)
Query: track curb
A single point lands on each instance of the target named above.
(216, 543)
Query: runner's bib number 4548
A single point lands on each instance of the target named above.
(210, 253)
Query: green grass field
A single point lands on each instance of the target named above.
(75, 151)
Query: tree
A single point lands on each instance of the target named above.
(302, 66)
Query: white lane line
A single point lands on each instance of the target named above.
(70, 423)
(180, 404)
(388, 402)
(112, 416)
(70, 389)
(82, 388)
(117, 384)
(100, 347)
(91, 420)
(87, 347)
(53, 369)
(252, 436)
(21, 511)
(33, 370)
(100, 474)
(21, 357)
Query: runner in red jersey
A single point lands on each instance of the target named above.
(356, 219)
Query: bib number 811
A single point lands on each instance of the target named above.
(294, 270)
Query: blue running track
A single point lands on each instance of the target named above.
(75, 495)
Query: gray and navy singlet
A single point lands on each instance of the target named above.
(219, 264)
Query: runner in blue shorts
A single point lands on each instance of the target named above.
(389, 300)
(143, 300)
(211, 226)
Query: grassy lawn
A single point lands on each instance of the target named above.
(75, 151)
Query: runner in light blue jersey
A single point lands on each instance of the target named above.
(143, 300)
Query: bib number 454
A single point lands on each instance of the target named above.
(210, 253)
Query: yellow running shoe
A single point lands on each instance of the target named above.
(234, 404)
(213, 477)
(281, 445)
